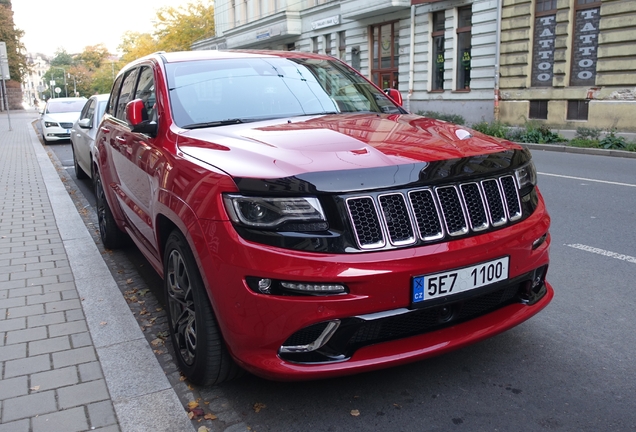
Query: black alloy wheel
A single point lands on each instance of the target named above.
(111, 236)
(199, 347)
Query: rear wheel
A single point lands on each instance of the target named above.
(79, 172)
(199, 347)
(112, 237)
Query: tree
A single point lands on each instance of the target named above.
(11, 35)
(93, 56)
(178, 28)
(136, 45)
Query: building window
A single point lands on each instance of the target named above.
(314, 45)
(342, 46)
(327, 44)
(385, 55)
(437, 35)
(546, 5)
(578, 109)
(464, 27)
(543, 43)
(587, 17)
(538, 109)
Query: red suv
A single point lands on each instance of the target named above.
(307, 226)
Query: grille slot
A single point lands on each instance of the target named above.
(66, 125)
(429, 214)
(511, 193)
(366, 222)
(398, 221)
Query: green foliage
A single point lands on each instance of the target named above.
(452, 118)
(496, 129)
(584, 143)
(533, 132)
(588, 133)
(18, 67)
(611, 141)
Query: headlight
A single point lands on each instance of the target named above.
(526, 176)
(50, 124)
(265, 212)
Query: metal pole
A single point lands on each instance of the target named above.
(6, 100)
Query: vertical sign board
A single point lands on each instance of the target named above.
(586, 28)
(4, 61)
(543, 53)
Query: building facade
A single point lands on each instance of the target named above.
(569, 63)
(33, 84)
(440, 54)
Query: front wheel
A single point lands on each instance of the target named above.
(198, 345)
(112, 237)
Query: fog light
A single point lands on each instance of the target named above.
(538, 242)
(314, 288)
(265, 286)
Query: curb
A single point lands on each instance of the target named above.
(580, 150)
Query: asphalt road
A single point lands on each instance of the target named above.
(570, 368)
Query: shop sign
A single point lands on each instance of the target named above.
(326, 22)
(543, 57)
(585, 46)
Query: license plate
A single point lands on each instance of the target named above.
(443, 284)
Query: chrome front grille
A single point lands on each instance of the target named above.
(66, 125)
(401, 218)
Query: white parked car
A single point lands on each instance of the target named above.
(83, 134)
(58, 116)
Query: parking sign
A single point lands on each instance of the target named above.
(4, 61)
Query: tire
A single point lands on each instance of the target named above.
(112, 236)
(197, 342)
(79, 172)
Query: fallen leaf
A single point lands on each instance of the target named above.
(157, 342)
(190, 415)
(159, 309)
(103, 323)
(143, 292)
(35, 388)
(192, 405)
(129, 281)
(198, 412)
(259, 406)
(182, 378)
(203, 429)
(143, 312)
(210, 417)
(355, 413)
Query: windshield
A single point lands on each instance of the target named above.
(65, 106)
(211, 92)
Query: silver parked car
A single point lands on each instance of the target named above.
(83, 135)
(58, 116)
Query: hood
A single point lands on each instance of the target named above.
(342, 149)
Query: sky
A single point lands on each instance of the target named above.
(49, 25)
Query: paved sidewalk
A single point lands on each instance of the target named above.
(72, 356)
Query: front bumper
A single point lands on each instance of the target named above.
(258, 327)
(56, 133)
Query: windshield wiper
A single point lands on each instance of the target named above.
(215, 123)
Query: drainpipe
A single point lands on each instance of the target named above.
(411, 60)
(497, 55)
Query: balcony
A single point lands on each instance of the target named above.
(359, 9)
(274, 27)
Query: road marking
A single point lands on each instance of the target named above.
(588, 179)
(610, 254)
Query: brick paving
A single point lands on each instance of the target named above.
(69, 358)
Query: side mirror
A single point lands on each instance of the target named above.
(395, 95)
(137, 117)
(84, 123)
